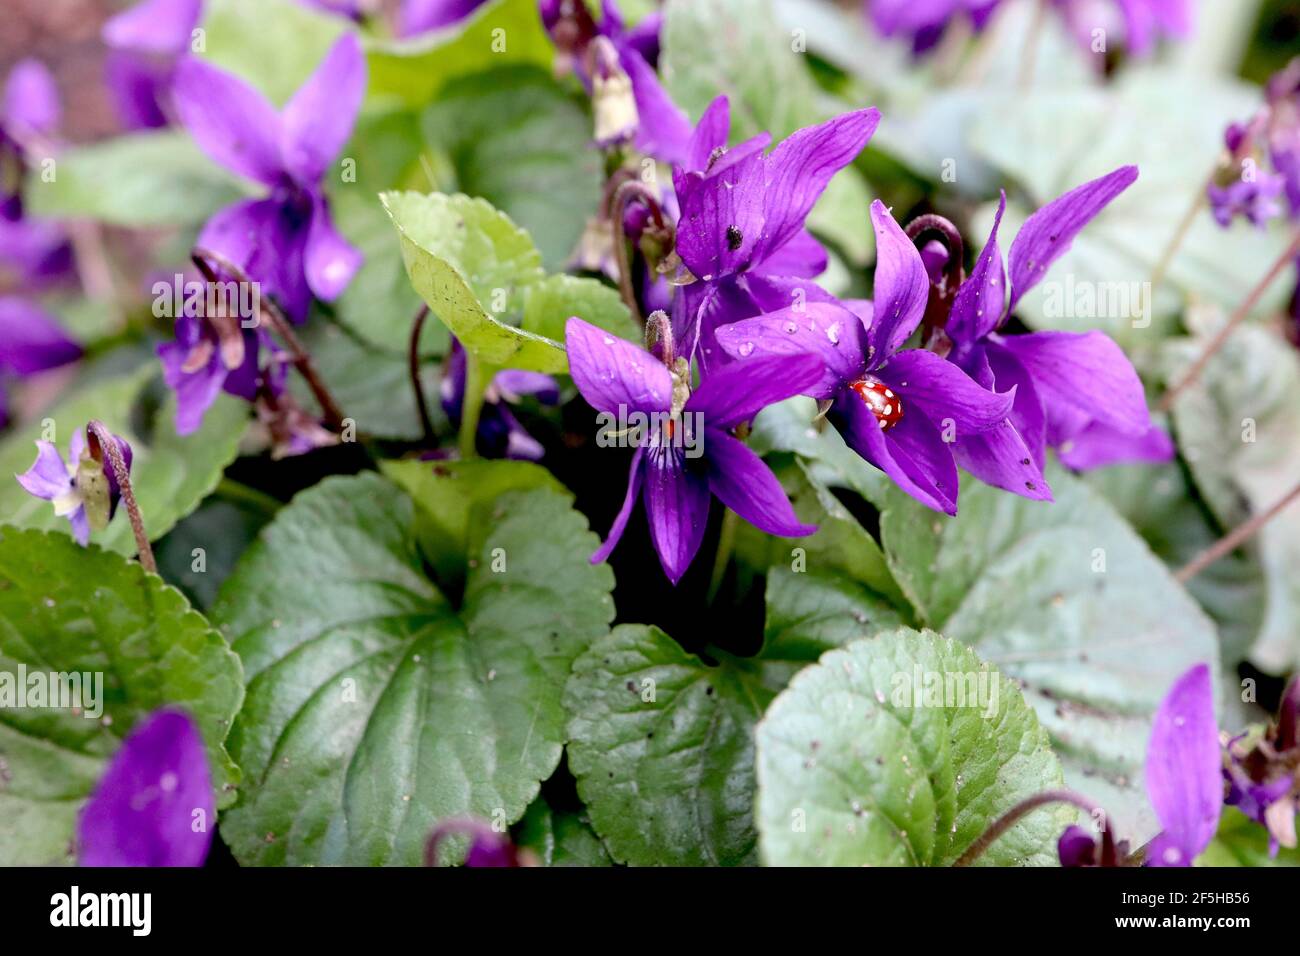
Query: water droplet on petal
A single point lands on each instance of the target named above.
(746, 349)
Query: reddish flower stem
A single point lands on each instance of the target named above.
(300, 357)
(1220, 339)
(1234, 538)
(413, 358)
(1013, 816)
(101, 437)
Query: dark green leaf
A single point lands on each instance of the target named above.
(376, 709)
(661, 744)
(66, 609)
(560, 838)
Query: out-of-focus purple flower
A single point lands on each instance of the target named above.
(923, 22)
(84, 489)
(500, 435)
(421, 16)
(899, 410)
(741, 230)
(652, 121)
(1245, 186)
(1138, 24)
(1282, 97)
(1256, 200)
(685, 453)
(31, 111)
(206, 359)
(154, 806)
(1263, 772)
(145, 43)
(1184, 771)
(354, 10)
(291, 429)
(31, 341)
(33, 253)
(487, 847)
(287, 242)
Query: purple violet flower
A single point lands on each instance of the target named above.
(1263, 772)
(487, 847)
(206, 359)
(1255, 200)
(30, 114)
(685, 454)
(287, 242)
(1075, 391)
(31, 341)
(741, 231)
(145, 43)
(354, 10)
(1140, 24)
(1184, 771)
(33, 253)
(1184, 781)
(899, 410)
(1282, 94)
(923, 22)
(421, 16)
(650, 119)
(154, 805)
(84, 489)
(500, 435)
(1272, 136)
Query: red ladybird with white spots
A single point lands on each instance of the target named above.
(882, 401)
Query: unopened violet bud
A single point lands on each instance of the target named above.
(612, 97)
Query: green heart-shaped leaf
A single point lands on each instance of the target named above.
(863, 762)
(375, 708)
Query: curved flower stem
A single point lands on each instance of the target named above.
(1234, 538)
(471, 405)
(299, 355)
(413, 358)
(1013, 816)
(626, 192)
(726, 544)
(1243, 310)
(101, 436)
(1029, 55)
